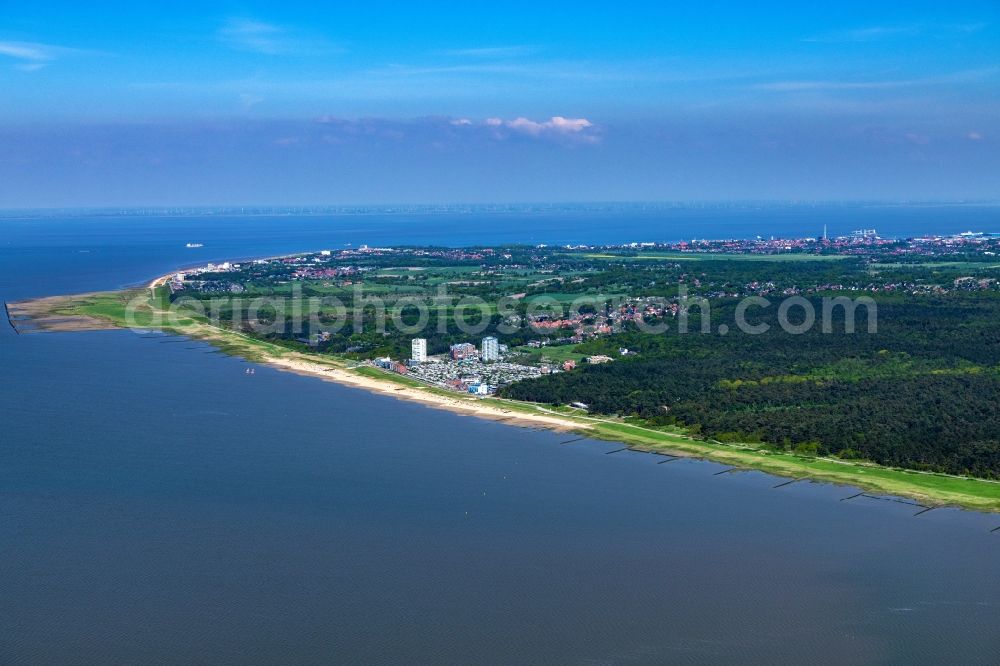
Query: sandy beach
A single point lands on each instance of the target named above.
(44, 314)
(40, 314)
(459, 404)
(107, 310)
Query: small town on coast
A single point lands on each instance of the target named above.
(567, 295)
(642, 334)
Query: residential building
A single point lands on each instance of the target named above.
(490, 349)
(418, 350)
(462, 351)
(598, 358)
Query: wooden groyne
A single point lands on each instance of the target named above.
(893, 499)
(10, 320)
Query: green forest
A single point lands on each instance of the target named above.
(920, 392)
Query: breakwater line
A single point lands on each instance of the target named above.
(10, 320)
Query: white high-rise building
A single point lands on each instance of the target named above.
(418, 350)
(490, 349)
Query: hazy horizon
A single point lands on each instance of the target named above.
(479, 207)
(299, 104)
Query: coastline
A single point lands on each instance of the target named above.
(424, 395)
(105, 310)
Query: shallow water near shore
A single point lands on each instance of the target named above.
(157, 504)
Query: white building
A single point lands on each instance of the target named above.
(418, 350)
(490, 349)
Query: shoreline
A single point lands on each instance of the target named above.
(163, 279)
(423, 395)
(103, 310)
(670, 444)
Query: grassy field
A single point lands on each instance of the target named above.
(712, 256)
(584, 298)
(139, 308)
(554, 353)
(930, 489)
(958, 265)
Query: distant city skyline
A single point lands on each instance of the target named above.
(115, 104)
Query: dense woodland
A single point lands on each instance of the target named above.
(921, 391)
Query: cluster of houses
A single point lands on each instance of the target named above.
(581, 326)
(465, 368)
(472, 375)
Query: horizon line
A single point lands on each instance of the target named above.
(319, 208)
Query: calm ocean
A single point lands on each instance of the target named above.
(158, 505)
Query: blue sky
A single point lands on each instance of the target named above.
(312, 103)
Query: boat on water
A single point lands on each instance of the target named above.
(194, 245)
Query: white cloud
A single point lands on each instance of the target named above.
(975, 136)
(554, 125)
(868, 34)
(959, 77)
(245, 34)
(33, 56)
(568, 124)
(803, 86)
(30, 66)
(443, 130)
(557, 127)
(966, 28)
(250, 35)
(249, 100)
(28, 50)
(882, 32)
(491, 52)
